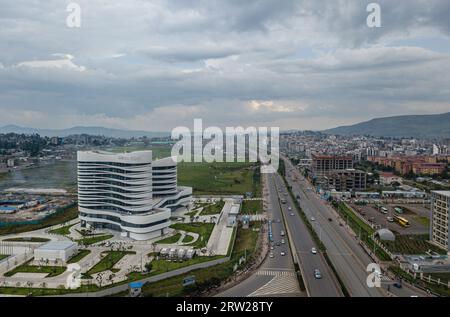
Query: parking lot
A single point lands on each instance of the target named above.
(417, 215)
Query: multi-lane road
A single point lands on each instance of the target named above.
(276, 276)
(297, 247)
(302, 244)
(347, 256)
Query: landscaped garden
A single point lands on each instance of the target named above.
(27, 268)
(203, 229)
(63, 231)
(170, 240)
(28, 239)
(245, 244)
(213, 209)
(94, 239)
(108, 261)
(79, 256)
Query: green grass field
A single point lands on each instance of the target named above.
(3, 256)
(213, 209)
(158, 151)
(188, 239)
(252, 207)
(411, 244)
(81, 255)
(63, 231)
(94, 239)
(28, 239)
(170, 240)
(108, 261)
(26, 268)
(203, 229)
(219, 178)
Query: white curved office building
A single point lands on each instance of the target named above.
(128, 192)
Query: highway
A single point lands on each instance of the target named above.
(276, 276)
(328, 285)
(345, 253)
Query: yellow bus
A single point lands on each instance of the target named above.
(401, 221)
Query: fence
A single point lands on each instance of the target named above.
(421, 276)
(19, 253)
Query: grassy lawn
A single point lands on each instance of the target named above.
(219, 178)
(3, 256)
(94, 239)
(213, 209)
(61, 216)
(188, 239)
(108, 261)
(27, 239)
(163, 266)
(411, 244)
(252, 207)
(80, 255)
(424, 221)
(203, 229)
(245, 244)
(170, 240)
(158, 151)
(26, 268)
(63, 231)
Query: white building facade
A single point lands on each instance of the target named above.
(128, 193)
(440, 213)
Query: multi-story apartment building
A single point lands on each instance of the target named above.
(420, 165)
(440, 212)
(128, 192)
(322, 164)
(346, 180)
(337, 172)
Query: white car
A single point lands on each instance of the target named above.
(282, 241)
(283, 253)
(292, 214)
(313, 219)
(290, 208)
(313, 251)
(271, 255)
(317, 274)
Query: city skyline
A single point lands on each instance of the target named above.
(296, 65)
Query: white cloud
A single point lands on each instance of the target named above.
(64, 63)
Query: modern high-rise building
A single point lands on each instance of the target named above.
(440, 212)
(128, 192)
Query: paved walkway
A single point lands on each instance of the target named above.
(221, 235)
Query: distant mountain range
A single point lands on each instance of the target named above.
(107, 132)
(419, 126)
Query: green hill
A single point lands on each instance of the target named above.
(418, 126)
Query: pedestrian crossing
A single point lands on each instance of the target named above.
(275, 273)
(279, 284)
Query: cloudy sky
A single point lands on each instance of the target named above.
(157, 64)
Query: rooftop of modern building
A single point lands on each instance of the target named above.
(445, 193)
(57, 245)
